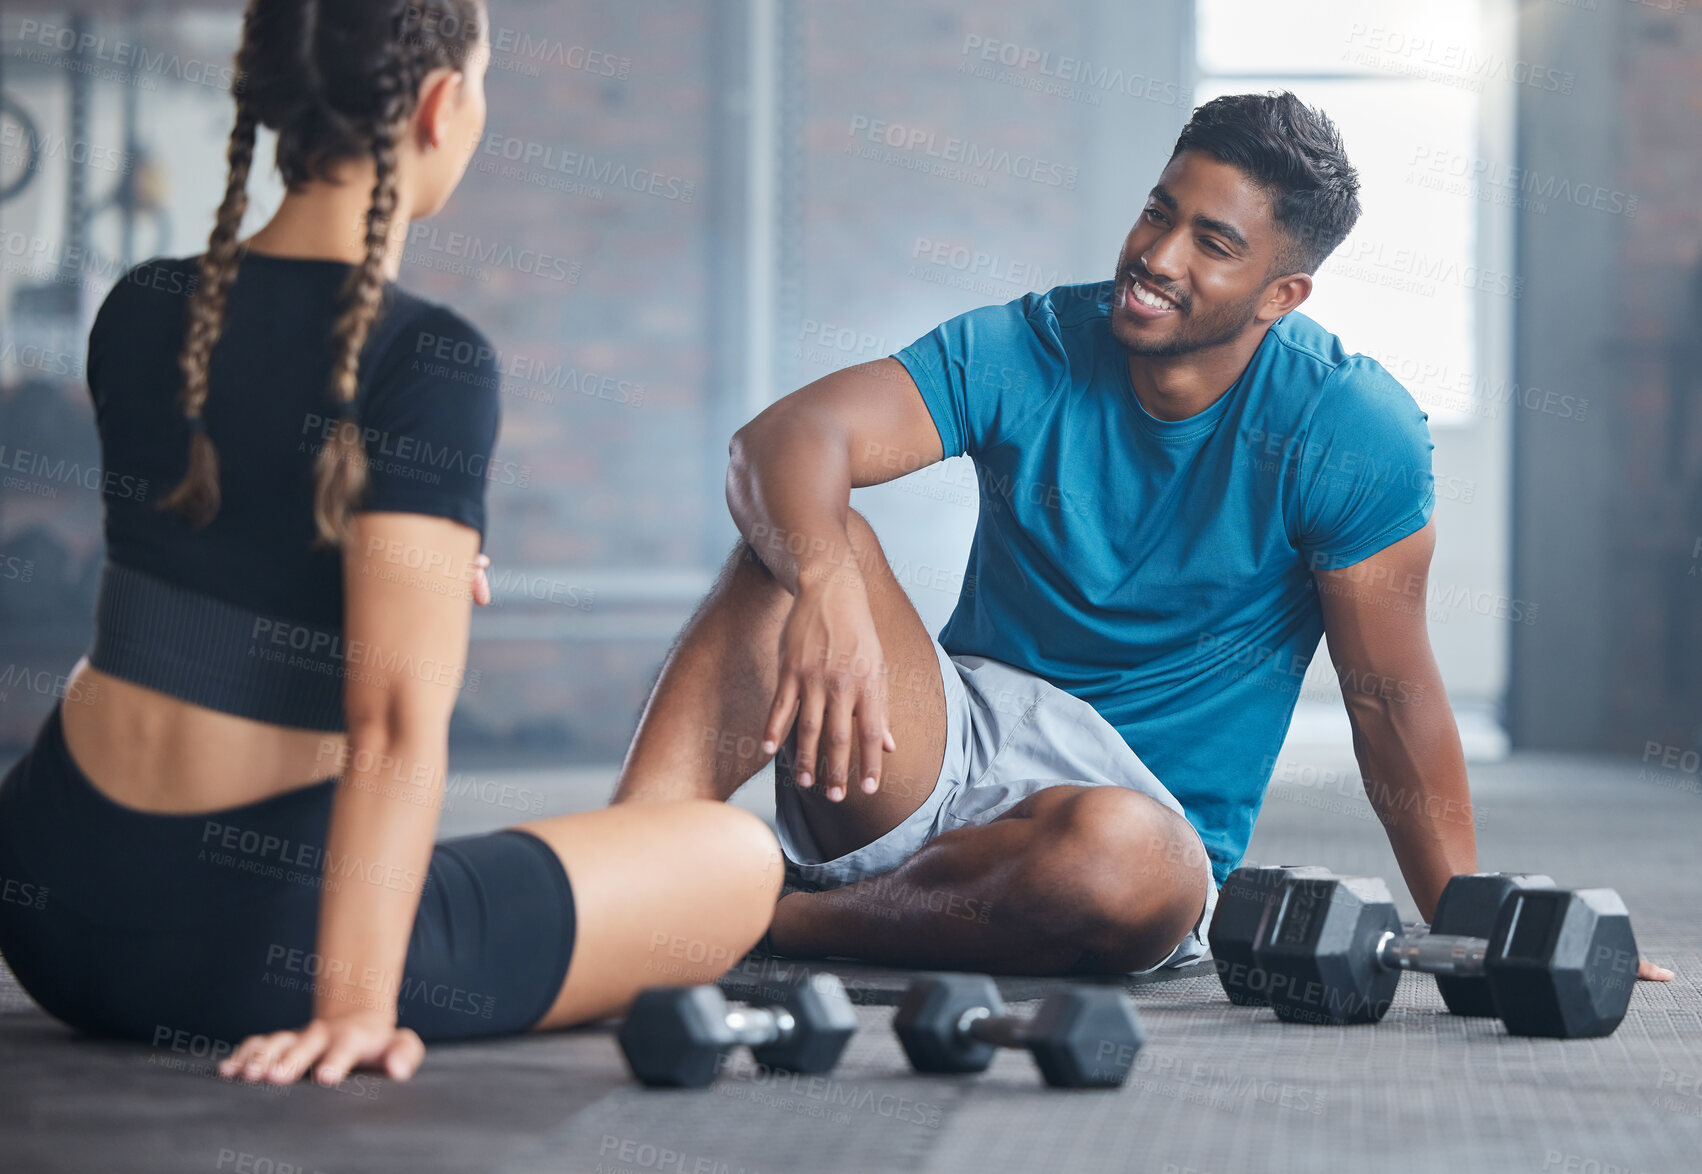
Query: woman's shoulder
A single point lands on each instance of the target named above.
(420, 341)
(145, 307)
(430, 359)
(157, 285)
(416, 328)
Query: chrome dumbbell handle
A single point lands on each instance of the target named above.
(1002, 1031)
(1449, 955)
(757, 1027)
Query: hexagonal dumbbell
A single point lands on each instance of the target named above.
(676, 1036)
(1241, 905)
(1081, 1037)
(1558, 963)
(1467, 908)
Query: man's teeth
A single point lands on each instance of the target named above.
(1152, 300)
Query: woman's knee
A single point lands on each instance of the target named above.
(668, 892)
(741, 844)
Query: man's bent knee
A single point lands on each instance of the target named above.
(1136, 875)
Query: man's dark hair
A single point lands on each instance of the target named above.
(1291, 151)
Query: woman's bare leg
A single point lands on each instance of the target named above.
(664, 894)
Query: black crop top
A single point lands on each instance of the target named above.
(197, 613)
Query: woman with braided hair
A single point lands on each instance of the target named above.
(230, 813)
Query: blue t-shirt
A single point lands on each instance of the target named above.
(1161, 570)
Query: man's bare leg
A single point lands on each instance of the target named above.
(1071, 880)
(701, 730)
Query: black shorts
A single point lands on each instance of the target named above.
(141, 926)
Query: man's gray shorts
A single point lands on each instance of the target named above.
(1009, 734)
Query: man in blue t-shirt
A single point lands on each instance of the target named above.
(1184, 482)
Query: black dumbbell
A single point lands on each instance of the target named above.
(1081, 1037)
(1241, 905)
(676, 1036)
(1558, 963)
(1467, 908)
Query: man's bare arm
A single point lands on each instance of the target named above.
(1403, 727)
(1404, 733)
(792, 468)
(789, 479)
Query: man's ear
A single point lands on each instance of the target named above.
(1285, 294)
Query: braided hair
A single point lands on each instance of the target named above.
(337, 80)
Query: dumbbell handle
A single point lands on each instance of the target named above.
(1002, 1031)
(1450, 955)
(757, 1027)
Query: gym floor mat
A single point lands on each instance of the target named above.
(1217, 1089)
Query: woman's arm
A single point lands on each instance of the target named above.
(408, 587)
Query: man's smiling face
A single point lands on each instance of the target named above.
(1199, 261)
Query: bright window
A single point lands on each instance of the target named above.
(1403, 83)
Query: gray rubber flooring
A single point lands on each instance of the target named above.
(1216, 1089)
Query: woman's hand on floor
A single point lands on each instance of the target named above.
(332, 1047)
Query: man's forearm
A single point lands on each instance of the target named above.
(1415, 776)
(789, 492)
